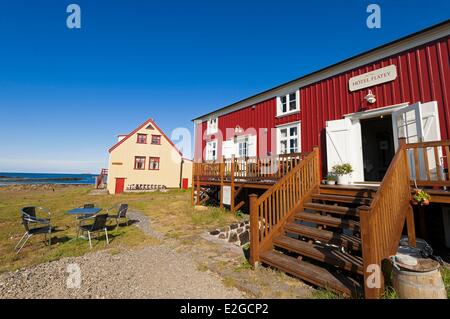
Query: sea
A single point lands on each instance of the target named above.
(44, 178)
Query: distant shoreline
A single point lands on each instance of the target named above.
(24, 179)
(37, 187)
(7, 179)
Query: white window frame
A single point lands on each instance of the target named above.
(212, 125)
(289, 137)
(242, 140)
(287, 96)
(209, 149)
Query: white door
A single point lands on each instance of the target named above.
(418, 123)
(344, 145)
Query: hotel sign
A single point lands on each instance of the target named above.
(372, 78)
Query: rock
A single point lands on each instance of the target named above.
(214, 232)
(234, 226)
(247, 227)
(223, 235)
(233, 237)
(240, 230)
(244, 237)
(200, 208)
(242, 224)
(225, 229)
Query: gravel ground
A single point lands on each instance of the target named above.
(151, 272)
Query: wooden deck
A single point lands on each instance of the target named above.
(239, 174)
(327, 235)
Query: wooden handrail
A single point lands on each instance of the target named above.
(425, 163)
(248, 168)
(383, 221)
(270, 212)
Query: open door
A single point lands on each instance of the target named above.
(418, 123)
(344, 146)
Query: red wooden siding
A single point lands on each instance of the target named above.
(262, 116)
(423, 75)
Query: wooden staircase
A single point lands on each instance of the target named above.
(321, 242)
(332, 236)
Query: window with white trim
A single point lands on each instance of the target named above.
(242, 147)
(289, 139)
(211, 150)
(289, 103)
(212, 125)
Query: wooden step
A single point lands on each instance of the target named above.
(349, 190)
(343, 199)
(324, 236)
(328, 255)
(327, 220)
(311, 273)
(341, 210)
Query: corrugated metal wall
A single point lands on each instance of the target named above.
(423, 75)
(259, 117)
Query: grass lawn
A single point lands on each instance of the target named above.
(171, 211)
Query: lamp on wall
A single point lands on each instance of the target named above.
(237, 129)
(370, 97)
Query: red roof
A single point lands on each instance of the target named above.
(149, 121)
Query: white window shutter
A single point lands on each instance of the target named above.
(228, 148)
(252, 145)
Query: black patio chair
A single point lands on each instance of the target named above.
(121, 213)
(97, 226)
(34, 225)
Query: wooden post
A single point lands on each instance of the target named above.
(222, 173)
(317, 164)
(232, 184)
(198, 187)
(411, 227)
(254, 231)
(410, 213)
(369, 256)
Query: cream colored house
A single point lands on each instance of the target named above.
(146, 159)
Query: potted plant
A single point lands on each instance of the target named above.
(331, 179)
(421, 198)
(342, 172)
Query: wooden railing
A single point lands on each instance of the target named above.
(427, 161)
(269, 213)
(247, 168)
(383, 221)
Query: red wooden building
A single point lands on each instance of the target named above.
(377, 111)
(312, 102)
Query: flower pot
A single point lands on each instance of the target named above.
(331, 182)
(343, 179)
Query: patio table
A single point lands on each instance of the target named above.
(84, 211)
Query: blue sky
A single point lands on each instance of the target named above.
(65, 94)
